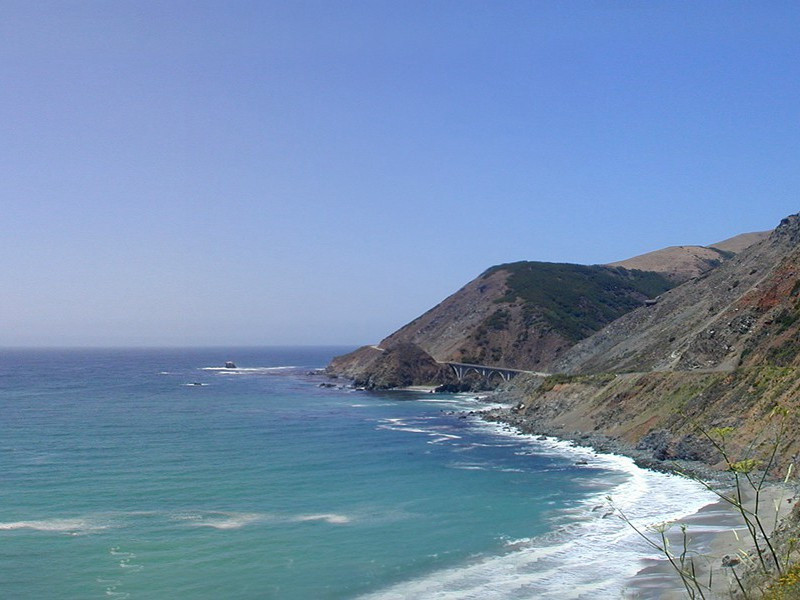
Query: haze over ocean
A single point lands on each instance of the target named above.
(211, 173)
(151, 474)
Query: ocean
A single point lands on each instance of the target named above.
(154, 474)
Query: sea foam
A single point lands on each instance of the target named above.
(75, 526)
(331, 518)
(221, 520)
(248, 370)
(591, 555)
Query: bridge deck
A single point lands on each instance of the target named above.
(486, 367)
(461, 369)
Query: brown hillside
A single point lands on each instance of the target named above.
(520, 315)
(527, 315)
(679, 263)
(739, 242)
(457, 330)
(659, 412)
(722, 350)
(710, 322)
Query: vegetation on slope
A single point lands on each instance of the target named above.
(576, 300)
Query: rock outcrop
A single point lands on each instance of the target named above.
(399, 365)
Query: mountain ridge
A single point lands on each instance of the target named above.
(527, 314)
(681, 263)
(693, 326)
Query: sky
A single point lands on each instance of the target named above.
(272, 173)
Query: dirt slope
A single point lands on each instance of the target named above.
(679, 263)
(708, 322)
(739, 242)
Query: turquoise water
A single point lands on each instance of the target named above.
(156, 474)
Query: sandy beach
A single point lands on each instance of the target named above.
(714, 532)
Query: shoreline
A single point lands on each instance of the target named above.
(716, 531)
(716, 535)
(609, 445)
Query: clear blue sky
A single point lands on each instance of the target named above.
(192, 173)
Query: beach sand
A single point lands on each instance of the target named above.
(714, 532)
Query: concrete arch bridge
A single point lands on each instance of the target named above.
(461, 370)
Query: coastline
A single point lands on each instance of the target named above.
(609, 445)
(715, 529)
(716, 532)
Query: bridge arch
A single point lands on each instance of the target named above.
(462, 370)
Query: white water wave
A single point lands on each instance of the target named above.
(221, 520)
(237, 520)
(436, 433)
(590, 557)
(248, 370)
(586, 560)
(443, 438)
(72, 526)
(332, 518)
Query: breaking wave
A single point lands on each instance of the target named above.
(590, 555)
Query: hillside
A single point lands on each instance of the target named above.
(519, 315)
(527, 314)
(677, 263)
(657, 413)
(524, 314)
(708, 323)
(739, 242)
(722, 350)
(681, 263)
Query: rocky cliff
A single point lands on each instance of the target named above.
(398, 365)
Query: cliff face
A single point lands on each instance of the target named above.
(399, 365)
